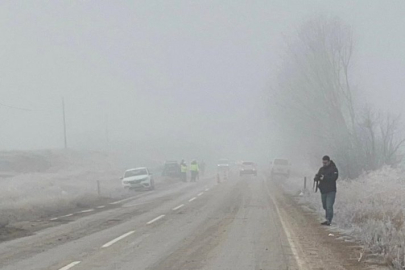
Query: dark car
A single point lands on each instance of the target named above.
(248, 168)
(171, 169)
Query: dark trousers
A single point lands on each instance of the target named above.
(194, 175)
(184, 176)
(328, 199)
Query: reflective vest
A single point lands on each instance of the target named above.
(194, 167)
(183, 168)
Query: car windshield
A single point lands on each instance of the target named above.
(136, 172)
(283, 162)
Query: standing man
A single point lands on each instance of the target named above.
(326, 177)
(194, 169)
(183, 170)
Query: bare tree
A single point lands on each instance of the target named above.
(381, 139)
(315, 102)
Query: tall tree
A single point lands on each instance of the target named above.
(314, 100)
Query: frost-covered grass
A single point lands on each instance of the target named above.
(370, 208)
(70, 181)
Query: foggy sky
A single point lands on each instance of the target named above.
(174, 71)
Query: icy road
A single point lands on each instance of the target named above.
(240, 224)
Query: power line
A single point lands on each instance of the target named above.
(16, 108)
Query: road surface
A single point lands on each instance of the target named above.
(243, 223)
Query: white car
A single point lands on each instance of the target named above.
(247, 168)
(223, 165)
(138, 178)
(280, 167)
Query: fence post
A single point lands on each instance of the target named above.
(305, 183)
(98, 188)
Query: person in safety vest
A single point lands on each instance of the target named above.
(183, 170)
(194, 170)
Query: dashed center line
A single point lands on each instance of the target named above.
(68, 215)
(52, 219)
(155, 219)
(124, 200)
(201, 193)
(117, 239)
(101, 206)
(192, 199)
(70, 265)
(178, 207)
(86, 211)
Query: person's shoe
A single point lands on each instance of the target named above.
(326, 223)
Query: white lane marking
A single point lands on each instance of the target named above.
(117, 239)
(70, 265)
(86, 211)
(52, 219)
(192, 199)
(101, 206)
(155, 219)
(124, 200)
(178, 207)
(201, 193)
(294, 249)
(68, 215)
(207, 189)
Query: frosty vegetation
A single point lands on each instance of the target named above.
(369, 208)
(45, 183)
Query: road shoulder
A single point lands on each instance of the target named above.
(319, 247)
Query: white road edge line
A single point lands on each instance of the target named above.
(294, 249)
(201, 193)
(70, 265)
(117, 239)
(178, 207)
(155, 219)
(192, 199)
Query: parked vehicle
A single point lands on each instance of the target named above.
(280, 167)
(138, 178)
(171, 169)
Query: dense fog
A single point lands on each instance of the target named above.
(174, 79)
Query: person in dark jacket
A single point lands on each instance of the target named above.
(326, 177)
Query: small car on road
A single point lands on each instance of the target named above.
(138, 178)
(248, 168)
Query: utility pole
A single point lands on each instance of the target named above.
(64, 122)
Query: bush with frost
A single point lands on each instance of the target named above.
(371, 208)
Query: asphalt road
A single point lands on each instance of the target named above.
(240, 224)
